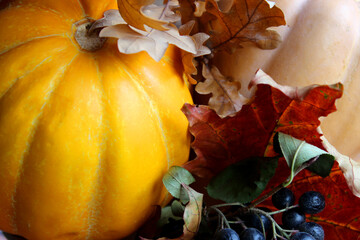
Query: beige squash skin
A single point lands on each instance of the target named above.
(85, 137)
(320, 46)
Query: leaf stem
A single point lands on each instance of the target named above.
(281, 185)
(285, 184)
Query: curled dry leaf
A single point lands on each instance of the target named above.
(111, 17)
(132, 41)
(200, 8)
(293, 92)
(132, 12)
(153, 41)
(349, 167)
(226, 99)
(188, 60)
(247, 20)
(192, 213)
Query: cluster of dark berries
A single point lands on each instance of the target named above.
(257, 224)
(310, 202)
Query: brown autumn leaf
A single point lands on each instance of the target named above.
(225, 5)
(220, 142)
(132, 12)
(226, 98)
(246, 21)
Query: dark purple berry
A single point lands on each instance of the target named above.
(251, 234)
(254, 220)
(302, 236)
(312, 202)
(283, 198)
(226, 234)
(313, 229)
(292, 218)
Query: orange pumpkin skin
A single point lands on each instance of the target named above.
(320, 45)
(85, 137)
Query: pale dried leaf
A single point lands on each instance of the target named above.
(200, 39)
(200, 8)
(293, 92)
(132, 13)
(164, 12)
(111, 17)
(186, 28)
(226, 98)
(130, 41)
(192, 213)
(349, 167)
(188, 60)
(154, 42)
(172, 36)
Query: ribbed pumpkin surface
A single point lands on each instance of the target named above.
(85, 137)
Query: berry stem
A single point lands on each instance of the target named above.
(221, 215)
(283, 210)
(228, 205)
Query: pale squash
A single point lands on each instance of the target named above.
(85, 136)
(320, 45)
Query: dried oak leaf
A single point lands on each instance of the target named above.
(226, 98)
(220, 142)
(247, 20)
(340, 218)
(153, 41)
(188, 58)
(225, 5)
(132, 12)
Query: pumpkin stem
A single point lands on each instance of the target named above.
(88, 39)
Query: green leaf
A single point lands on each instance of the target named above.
(174, 178)
(243, 181)
(323, 165)
(166, 213)
(177, 208)
(297, 152)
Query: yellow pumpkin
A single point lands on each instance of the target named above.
(320, 45)
(85, 136)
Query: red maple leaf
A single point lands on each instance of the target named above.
(220, 142)
(341, 217)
